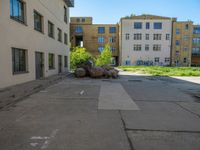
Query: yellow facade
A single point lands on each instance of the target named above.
(196, 47)
(182, 43)
(84, 33)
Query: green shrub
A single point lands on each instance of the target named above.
(105, 57)
(79, 56)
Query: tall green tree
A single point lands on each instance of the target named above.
(105, 57)
(79, 56)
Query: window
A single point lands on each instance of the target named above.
(78, 20)
(184, 60)
(147, 36)
(127, 36)
(17, 10)
(185, 37)
(137, 25)
(147, 25)
(137, 47)
(51, 61)
(186, 27)
(156, 47)
(167, 36)
(38, 22)
(59, 35)
(157, 59)
(19, 59)
(196, 51)
(167, 60)
(78, 29)
(177, 42)
(100, 49)
(66, 61)
(112, 39)
(127, 62)
(112, 30)
(137, 36)
(147, 47)
(66, 38)
(101, 39)
(157, 25)
(157, 36)
(112, 49)
(101, 29)
(83, 19)
(196, 40)
(50, 29)
(178, 31)
(65, 15)
(196, 30)
(185, 48)
(177, 53)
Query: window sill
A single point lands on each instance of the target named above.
(39, 31)
(21, 22)
(19, 73)
(52, 37)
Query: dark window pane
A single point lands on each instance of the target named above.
(101, 29)
(137, 25)
(157, 25)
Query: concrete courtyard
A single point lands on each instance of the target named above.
(130, 113)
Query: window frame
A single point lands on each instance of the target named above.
(59, 35)
(23, 69)
(158, 27)
(41, 19)
(23, 11)
(66, 61)
(101, 30)
(52, 35)
(137, 25)
(51, 66)
(112, 29)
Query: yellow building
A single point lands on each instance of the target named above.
(94, 36)
(196, 46)
(182, 43)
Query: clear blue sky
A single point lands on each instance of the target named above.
(110, 11)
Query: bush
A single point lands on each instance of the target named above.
(79, 56)
(105, 57)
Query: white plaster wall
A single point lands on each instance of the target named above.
(15, 34)
(127, 45)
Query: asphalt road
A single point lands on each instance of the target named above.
(129, 113)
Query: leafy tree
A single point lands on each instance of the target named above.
(105, 57)
(79, 56)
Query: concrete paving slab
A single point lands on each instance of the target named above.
(70, 91)
(114, 97)
(148, 140)
(155, 91)
(102, 130)
(161, 116)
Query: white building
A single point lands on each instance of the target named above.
(145, 40)
(34, 39)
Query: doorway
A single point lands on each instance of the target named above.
(39, 65)
(59, 63)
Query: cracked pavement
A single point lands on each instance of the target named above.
(129, 113)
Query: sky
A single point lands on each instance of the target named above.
(110, 11)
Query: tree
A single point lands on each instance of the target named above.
(105, 57)
(79, 56)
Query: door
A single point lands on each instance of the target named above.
(59, 64)
(39, 65)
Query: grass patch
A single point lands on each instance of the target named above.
(162, 71)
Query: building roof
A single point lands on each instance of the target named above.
(146, 16)
(70, 3)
